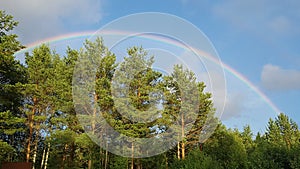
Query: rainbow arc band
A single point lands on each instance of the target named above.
(88, 34)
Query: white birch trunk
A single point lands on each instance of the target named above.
(34, 156)
(47, 155)
(43, 158)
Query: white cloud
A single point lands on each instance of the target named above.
(244, 106)
(234, 105)
(276, 78)
(39, 19)
(215, 84)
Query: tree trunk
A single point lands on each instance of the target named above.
(106, 157)
(43, 158)
(139, 165)
(47, 156)
(201, 147)
(94, 113)
(102, 160)
(72, 156)
(34, 155)
(132, 156)
(89, 164)
(166, 158)
(31, 123)
(183, 150)
(178, 150)
(62, 165)
(182, 137)
(127, 163)
(30, 120)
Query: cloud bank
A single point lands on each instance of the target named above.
(276, 78)
(39, 19)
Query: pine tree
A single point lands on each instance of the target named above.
(12, 73)
(283, 131)
(39, 92)
(135, 94)
(92, 76)
(246, 136)
(188, 106)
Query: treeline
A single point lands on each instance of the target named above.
(39, 122)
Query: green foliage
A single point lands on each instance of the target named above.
(11, 71)
(294, 157)
(247, 139)
(136, 94)
(10, 124)
(36, 109)
(283, 131)
(227, 148)
(278, 147)
(118, 162)
(6, 151)
(196, 159)
(267, 155)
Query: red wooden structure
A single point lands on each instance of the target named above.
(16, 165)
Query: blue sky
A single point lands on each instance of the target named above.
(259, 38)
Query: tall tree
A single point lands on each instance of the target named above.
(283, 131)
(39, 92)
(95, 70)
(136, 95)
(11, 73)
(188, 105)
(247, 137)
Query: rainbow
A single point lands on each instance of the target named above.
(88, 34)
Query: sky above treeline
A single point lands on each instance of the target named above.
(258, 41)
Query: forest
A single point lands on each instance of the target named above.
(39, 122)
